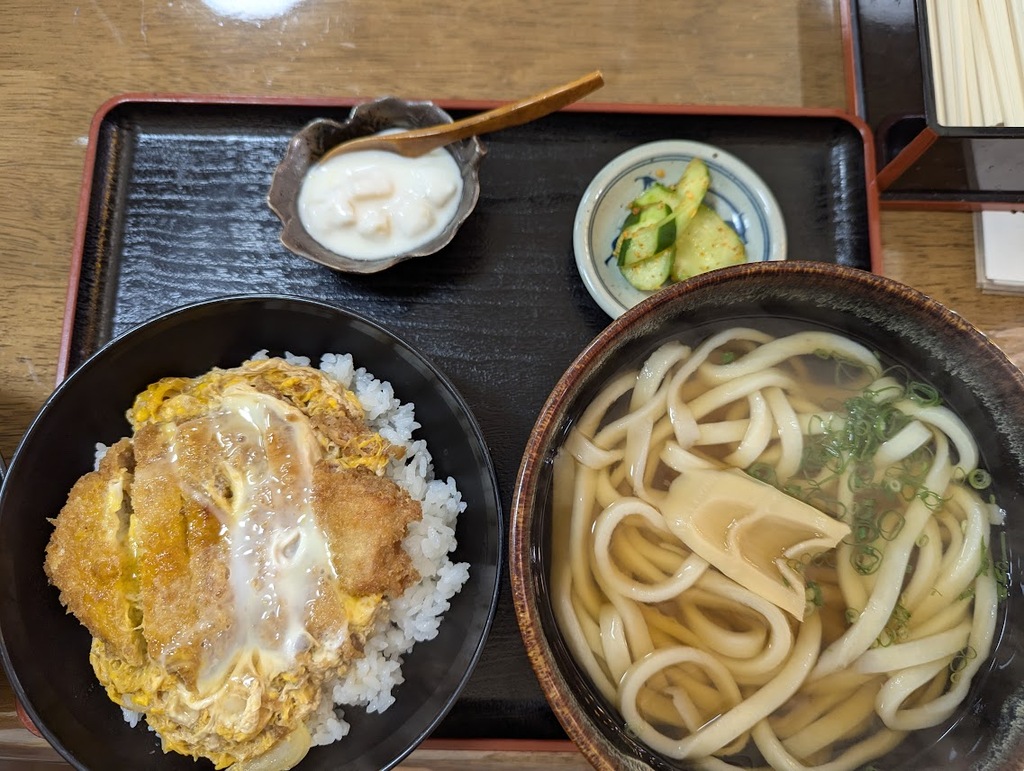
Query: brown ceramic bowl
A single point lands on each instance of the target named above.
(319, 136)
(935, 344)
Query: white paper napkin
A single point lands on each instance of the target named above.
(999, 248)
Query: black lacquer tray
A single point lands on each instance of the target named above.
(173, 210)
(964, 168)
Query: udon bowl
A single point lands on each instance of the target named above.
(46, 651)
(934, 344)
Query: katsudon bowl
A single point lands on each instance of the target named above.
(46, 650)
(590, 666)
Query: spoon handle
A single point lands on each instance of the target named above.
(417, 142)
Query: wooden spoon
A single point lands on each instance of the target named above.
(417, 142)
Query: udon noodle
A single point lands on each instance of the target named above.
(773, 548)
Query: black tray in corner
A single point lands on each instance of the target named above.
(176, 212)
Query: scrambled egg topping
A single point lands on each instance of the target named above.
(231, 557)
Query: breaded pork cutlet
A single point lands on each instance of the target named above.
(365, 517)
(232, 557)
(99, 590)
(184, 587)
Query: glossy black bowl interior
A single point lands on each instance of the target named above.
(45, 651)
(935, 344)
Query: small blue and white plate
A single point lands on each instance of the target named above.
(737, 194)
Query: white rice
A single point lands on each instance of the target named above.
(416, 615)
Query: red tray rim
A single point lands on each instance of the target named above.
(171, 98)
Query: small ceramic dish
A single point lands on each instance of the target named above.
(319, 136)
(736, 194)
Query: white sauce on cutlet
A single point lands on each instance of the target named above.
(279, 559)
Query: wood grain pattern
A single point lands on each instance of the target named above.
(934, 252)
(60, 61)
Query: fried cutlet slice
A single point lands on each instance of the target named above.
(184, 587)
(86, 558)
(365, 518)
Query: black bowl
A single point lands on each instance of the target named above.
(936, 345)
(46, 652)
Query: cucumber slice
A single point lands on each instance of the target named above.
(706, 244)
(691, 188)
(650, 274)
(657, 194)
(647, 214)
(642, 243)
(646, 250)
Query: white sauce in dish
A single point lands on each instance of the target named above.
(373, 203)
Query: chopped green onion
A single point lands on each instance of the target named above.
(890, 523)
(865, 559)
(960, 662)
(896, 629)
(825, 559)
(763, 473)
(979, 479)
(923, 394)
(865, 531)
(931, 499)
(967, 594)
(814, 596)
(844, 442)
(795, 565)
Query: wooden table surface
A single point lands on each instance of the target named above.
(60, 60)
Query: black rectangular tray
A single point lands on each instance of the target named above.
(893, 94)
(174, 211)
